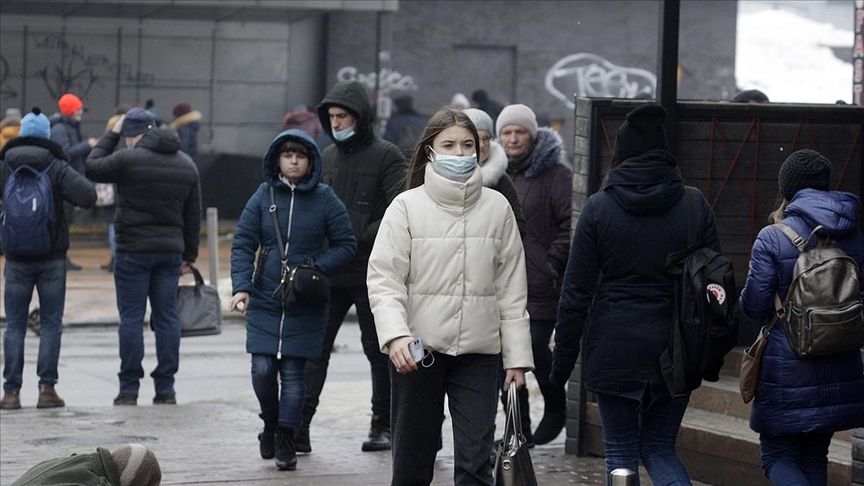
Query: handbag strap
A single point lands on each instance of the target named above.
(282, 250)
(513, 421)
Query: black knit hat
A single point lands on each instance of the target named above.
(641, 131)
(804, 169)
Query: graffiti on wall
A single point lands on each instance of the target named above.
(6, 91)
(391, 81)
(591, 75)
(79, 71)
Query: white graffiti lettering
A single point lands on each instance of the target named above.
(590, 75)
(391, 80)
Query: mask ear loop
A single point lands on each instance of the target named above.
(423, 361)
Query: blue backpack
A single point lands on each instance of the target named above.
(28, 213)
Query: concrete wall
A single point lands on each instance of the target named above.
(243, 76)
(510, 49)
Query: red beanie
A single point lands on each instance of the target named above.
(69, 104)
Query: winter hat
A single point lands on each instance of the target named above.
(459, 99)
(138, 120)
(13, 113)
(641, 131)
(137, 466)
(480, 119)
(69, 104)
(750, 96)
(804, 169)
(35, 124)
(181, 109)
(517, 115)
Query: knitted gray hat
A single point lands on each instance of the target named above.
(804, 169)
(137, 466)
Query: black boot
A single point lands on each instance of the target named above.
(267, 442)
(379, 436)
(286, 455)
(301, 439)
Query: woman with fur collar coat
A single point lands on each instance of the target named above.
(492, 162)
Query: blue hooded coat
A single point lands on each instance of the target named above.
(797, 395)
(320, 230)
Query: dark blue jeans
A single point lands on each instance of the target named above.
(49, 279)
(279, 406)
(137, 277)
(469, 381)
(797, 459)
(634, 430)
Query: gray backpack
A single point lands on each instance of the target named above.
(822, 314)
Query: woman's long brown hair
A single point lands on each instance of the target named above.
(445, 118)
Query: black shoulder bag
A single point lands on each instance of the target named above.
(304, 283)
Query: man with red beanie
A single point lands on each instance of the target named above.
(66, 132)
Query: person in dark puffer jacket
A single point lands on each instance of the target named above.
(281, 339)
(46, 273)
(617, 275)
(800, 403)
(158, 217)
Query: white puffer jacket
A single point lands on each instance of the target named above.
(448, 266)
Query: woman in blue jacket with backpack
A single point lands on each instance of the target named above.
(313, 228)
(800, 403)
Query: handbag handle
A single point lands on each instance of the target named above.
(513, 422)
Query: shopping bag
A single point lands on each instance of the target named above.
(199, 308)
(513, 465)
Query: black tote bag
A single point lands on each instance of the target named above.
(513, 466)
(199, 308)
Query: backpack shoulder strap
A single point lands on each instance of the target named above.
(693, 216)
(796, 239)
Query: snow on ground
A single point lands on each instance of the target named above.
(788, 56)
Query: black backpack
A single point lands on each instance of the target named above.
(704, 328)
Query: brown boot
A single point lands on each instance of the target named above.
(10, 401)
(48, 398)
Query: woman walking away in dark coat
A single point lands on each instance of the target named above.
(800, 403)
(280, 337)
(622, 238)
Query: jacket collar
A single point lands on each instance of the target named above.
(49, 145)
(495, 166)
(452, 194)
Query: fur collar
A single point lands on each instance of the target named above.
(191, 117)
(548, 151)
(495, 166)
(53, 147)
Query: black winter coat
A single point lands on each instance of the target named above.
(364, 171)
(158, 192)
(617, 271)
(66, 132)
(68, 185)
(545, 187)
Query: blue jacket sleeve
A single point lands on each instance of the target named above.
(63, 136)
(757, 297)
(577, 292)
(247, 239)
(340, 236)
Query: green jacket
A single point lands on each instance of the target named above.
(95, 469)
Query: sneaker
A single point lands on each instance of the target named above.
(122, 399)
(550, 426)
(48, 398)
(267, 442)
(165, 400)
(379, 440)
(11, 401)
(286, 454)
(302, 443)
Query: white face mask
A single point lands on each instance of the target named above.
(342, 135)
(457, 164)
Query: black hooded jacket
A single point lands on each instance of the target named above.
(68, 184)
(365, 171)
(617, 269)
(158, 192)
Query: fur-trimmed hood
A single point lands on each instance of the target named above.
(548, 150)
(188, 118)
(495, 166)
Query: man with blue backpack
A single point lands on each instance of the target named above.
(36, 179)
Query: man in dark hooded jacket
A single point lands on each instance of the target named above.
(158, 218)
(366, 173)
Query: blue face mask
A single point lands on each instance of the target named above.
(457, 164)
(342, 135)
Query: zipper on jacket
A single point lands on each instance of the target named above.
(287, 244)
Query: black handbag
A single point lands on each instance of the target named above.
(513, 466)
(303, 283)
